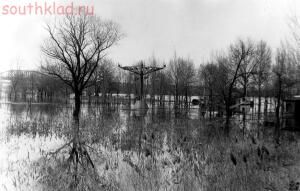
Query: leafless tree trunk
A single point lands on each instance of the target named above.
(285, 77)
(73, 51)
(229, 72)
(207, 74)
(262, 70)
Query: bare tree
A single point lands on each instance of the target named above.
(164, 85)
(284, 72)
(153, 79)
(16, 83)
(182, 75)
(294, 44)
(174, 74)
(247, 67)
(130, 85)
(294, 25)
(207, 74)
(187, 77)
(74, 49)
(48, 87)
(103, 78)
(229, 72)
(262, 70)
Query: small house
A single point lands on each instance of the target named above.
(292, 106)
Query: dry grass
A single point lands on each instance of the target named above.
(137, 154)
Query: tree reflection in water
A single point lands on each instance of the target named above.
(127, 150)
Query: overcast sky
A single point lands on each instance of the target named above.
(192, 28)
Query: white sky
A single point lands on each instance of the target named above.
(192, 28)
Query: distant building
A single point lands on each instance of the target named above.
(292, 113)
(292, 106)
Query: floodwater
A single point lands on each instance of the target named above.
(28, 132)
(173, 140)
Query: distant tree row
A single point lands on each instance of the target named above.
(76, 62)
(250, 69)
(246, 69)
(35, 87)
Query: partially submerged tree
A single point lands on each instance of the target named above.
(285, 73)
(188, 78)
(181, 73)
(208, 77)
(174, 73)
(262, 69)
(103, 79)
(74, 49)
(229, 71)
(16, 84)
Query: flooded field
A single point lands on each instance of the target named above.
(157, 149)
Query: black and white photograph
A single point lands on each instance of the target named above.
(150, 95)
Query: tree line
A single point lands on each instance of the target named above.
(76, 62)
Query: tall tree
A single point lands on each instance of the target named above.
(174, 73)
(247, 67)
(262, 70)
(103, 78)
(188, 77)
(74, 49)
(153, 78)
(229, 72)
(207, 74)
(285, 73)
